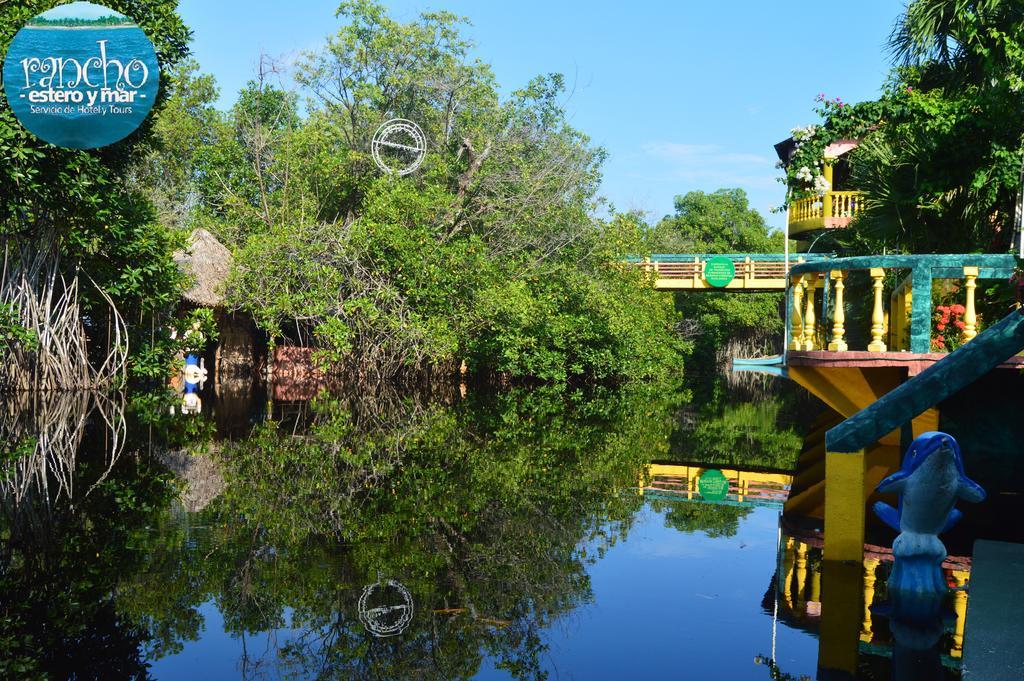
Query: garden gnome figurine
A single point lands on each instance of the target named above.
(929, 482)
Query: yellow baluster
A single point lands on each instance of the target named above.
(870, 564)
(970, 317)
(798, 320)
(877, 312)
(810, 322)
(960, 608)
(838, 343)
(788, 563)
(801, 576)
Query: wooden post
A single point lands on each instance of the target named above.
(877, 312)
(838, 343)
(844, 506)
(970, 317)
(810, 322)
(797, 342)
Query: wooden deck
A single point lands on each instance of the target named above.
(994, 640)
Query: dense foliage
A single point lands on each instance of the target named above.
(82, 201)
(941, 156)
(490, 253)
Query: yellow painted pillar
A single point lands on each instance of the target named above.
(844, 506)
(801, 576)
(788, 563)
(810, 322)
(797, 330)
(877, 312)
(960, 608)
(970, 316)
(815, 596)
(838, 343)
(842, 600)
(870, 564)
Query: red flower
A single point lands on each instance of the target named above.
(941, 326)
(959, 324)
(958, 309)
(941, 340)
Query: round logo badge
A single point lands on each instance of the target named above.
(398, 146)
(386, 608)
(81, 76)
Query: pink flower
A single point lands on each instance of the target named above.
(940, 326)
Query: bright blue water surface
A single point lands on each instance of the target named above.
(665, 605)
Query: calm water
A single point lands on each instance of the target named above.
(483, 536)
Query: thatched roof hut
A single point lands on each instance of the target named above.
(201, 474)
(207, 262)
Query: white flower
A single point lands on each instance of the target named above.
(821, 185)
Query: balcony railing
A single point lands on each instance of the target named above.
(832, 211)
(906, 324)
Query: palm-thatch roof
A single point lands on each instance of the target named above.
(200, 472)
(207, 262)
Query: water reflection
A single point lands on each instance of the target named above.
(526, 535)
(862, 629)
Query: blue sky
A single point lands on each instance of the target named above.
(684, 95)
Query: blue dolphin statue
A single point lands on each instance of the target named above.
(929, 482)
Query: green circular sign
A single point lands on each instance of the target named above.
(713, 485)
(719, 271)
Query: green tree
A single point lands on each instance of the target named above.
(490, 253)
(79, 208)
(941, 150)
(722, 222)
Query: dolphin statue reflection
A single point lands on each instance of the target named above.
(929, 482)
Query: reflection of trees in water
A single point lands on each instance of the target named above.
(714, 520)
(725, 425)
(487, 510)
(71, 508)
(42, 433)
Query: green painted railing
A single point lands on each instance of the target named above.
(989, 349)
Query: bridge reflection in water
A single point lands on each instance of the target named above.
(842, 604)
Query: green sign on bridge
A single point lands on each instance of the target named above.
(719, 271)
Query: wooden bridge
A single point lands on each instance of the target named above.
(751, 272)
